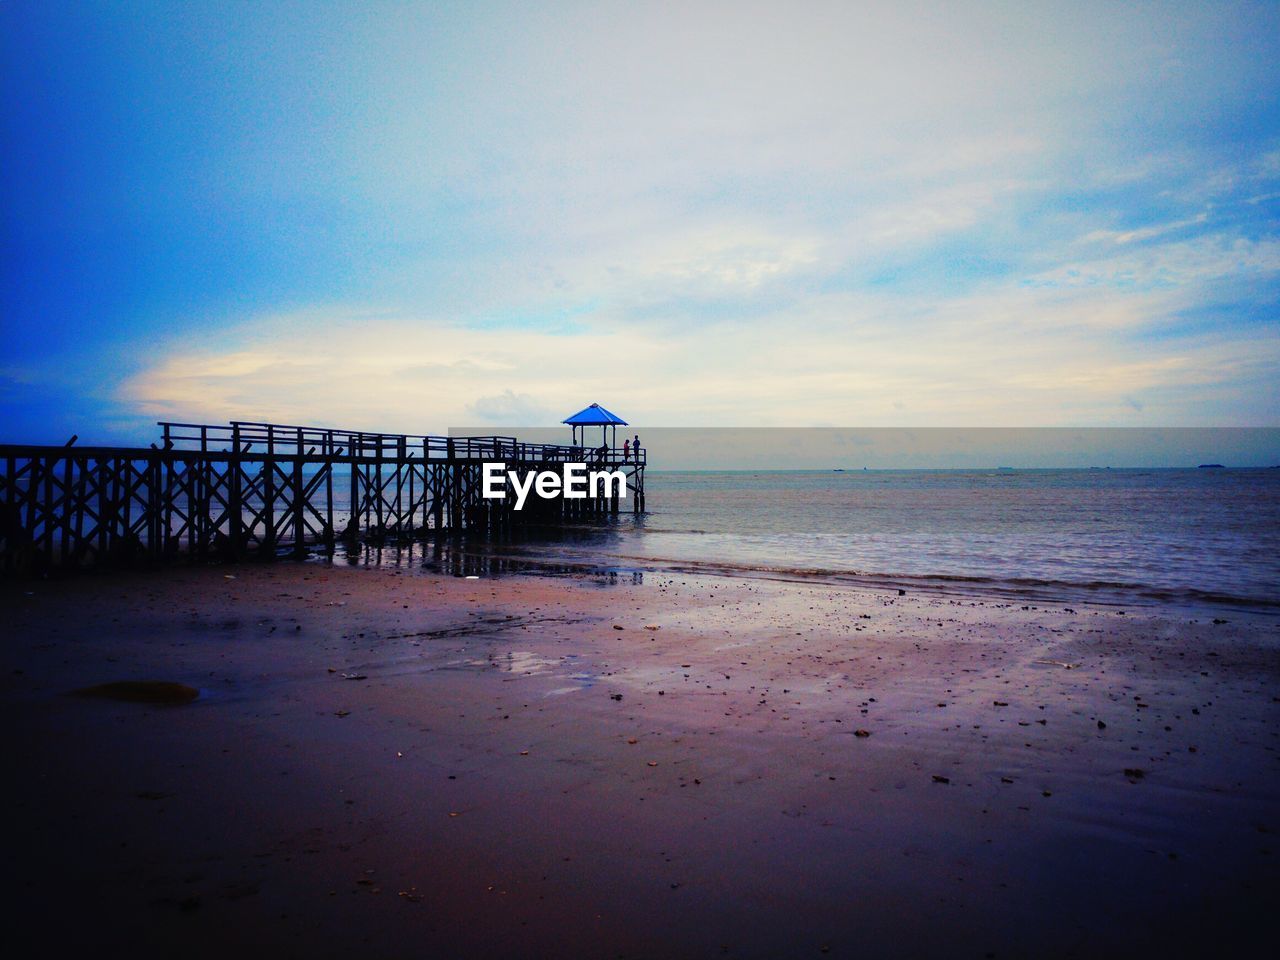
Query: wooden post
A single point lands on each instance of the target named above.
(64, 546)
(235, 492)
(9, 560)
(104, 506)
(328, 501)
(451, 468)
(299, 503)
(158, 519)
(437, 495)
(353, 525)
(46, 511)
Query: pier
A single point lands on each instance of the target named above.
(246, 489)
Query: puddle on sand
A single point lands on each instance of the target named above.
(581, 681)
(524, 662)
(527, 663)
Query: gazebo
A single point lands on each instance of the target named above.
(595, 416)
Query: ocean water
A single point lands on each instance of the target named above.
(1115, 536)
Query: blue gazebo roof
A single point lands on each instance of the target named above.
(595, 416)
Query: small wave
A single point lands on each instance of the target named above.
(566, 557)
(678, 530)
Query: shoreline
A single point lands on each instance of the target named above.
(505, 804)
(489, 558)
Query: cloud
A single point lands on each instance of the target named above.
(509, 408)
(1195, 261)
(930, 214)
(1012, 355)
(713, 213)
(1122, 237)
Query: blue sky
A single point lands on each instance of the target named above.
(407, 216)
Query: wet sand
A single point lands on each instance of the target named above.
(385, 762)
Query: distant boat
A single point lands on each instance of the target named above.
(837, 470)
(1211, 466)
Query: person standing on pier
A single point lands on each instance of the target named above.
(626, 450)
(635, 445)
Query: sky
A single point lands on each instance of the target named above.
(402, 217)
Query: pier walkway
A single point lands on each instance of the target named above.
(260, 489)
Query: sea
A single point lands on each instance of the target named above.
(1114, 536)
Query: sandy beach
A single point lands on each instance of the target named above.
(385, 762)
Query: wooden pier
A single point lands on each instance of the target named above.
(264, 490)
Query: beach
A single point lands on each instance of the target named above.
(387, 761)
(640, 481)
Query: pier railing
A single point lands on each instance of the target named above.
(244, 437)
(245, 488)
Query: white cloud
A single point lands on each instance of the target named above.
(510, 408)
(1194, 261)
(1122, 237)
(1009, 356)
